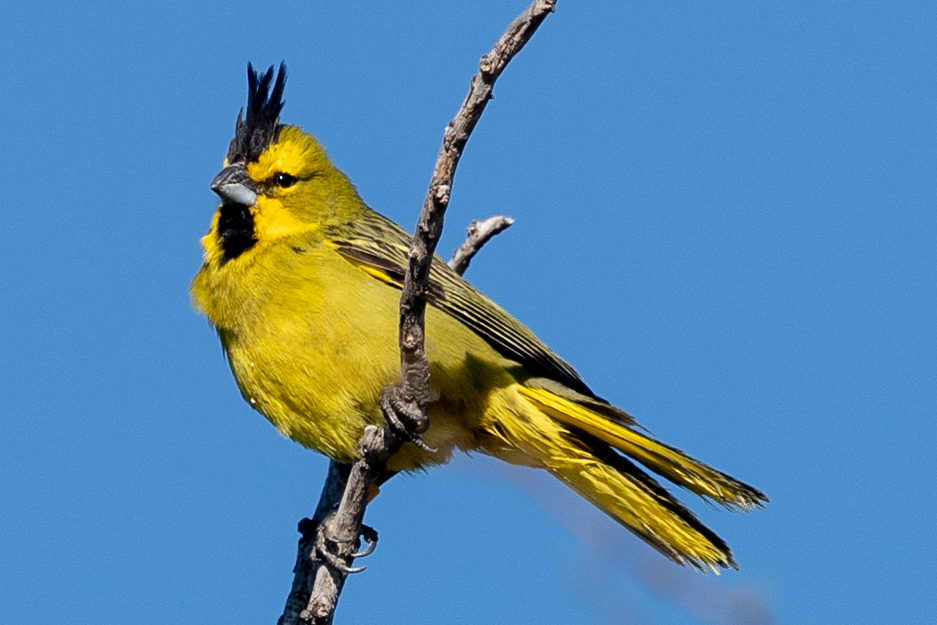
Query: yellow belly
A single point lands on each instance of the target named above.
(314, 342)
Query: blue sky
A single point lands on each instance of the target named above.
(725, 221)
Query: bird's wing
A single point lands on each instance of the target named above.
(381, 248)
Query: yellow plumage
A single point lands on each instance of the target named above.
(301, 280)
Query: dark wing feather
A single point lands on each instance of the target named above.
(375, 241)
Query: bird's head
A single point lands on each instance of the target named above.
(277, 180)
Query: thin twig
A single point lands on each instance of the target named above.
(479, 233)
(414, 366)
(377, 444)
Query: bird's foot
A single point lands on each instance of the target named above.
(337, 552)
(404, 417)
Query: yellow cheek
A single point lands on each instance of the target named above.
(272, 220)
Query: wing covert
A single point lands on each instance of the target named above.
(377, 243)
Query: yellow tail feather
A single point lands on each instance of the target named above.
(636, 501)
(660, 458)
(523, 426)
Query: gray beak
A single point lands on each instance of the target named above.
(234, 187)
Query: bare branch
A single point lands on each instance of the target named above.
(340, 530)
(479, 233)
(414, 366)
(304, 571)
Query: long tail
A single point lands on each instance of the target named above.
(576, 443)
(672, 463)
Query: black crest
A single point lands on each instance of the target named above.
(253, 135)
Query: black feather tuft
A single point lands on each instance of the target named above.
(261, 126)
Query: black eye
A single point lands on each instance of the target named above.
(285, 180)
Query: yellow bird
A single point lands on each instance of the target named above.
(302, 282)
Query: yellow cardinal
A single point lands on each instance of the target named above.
(302, 281)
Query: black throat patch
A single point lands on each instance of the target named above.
(235, 230)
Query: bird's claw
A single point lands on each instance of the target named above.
(336, 562)
(338, 552)
(404, 417)
(369, 534)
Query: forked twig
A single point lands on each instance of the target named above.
(317, 580)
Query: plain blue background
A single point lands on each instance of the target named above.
(725, 220)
